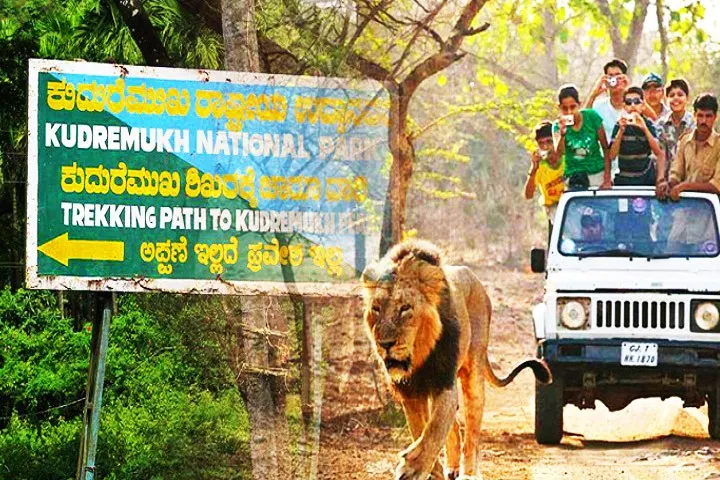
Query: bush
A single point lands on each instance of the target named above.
(170, 405)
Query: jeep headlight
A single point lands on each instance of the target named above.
(573, 312)
(707, 316)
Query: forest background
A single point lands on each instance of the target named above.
(174, 406)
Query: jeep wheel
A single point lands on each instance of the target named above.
(714, 411)
(549, 411)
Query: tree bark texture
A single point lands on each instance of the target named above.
(259, 339)
(258, 348)
(240, 35)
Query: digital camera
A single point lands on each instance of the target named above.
(569, 119)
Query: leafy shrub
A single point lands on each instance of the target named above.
(170, 406)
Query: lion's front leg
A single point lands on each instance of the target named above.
(419, 459)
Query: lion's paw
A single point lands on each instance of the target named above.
(408, 471)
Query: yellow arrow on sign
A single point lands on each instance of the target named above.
(62, 249)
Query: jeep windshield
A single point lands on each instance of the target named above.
(638, 226)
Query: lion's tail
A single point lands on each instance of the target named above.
(539, 367)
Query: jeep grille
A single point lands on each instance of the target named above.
(640, 314)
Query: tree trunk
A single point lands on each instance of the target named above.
(262, 345)
(142, 31)
(549, 32)
(257, 341)
(401, 172)
(310, 444)
(240, 35)
(626, 48)
(660, 7)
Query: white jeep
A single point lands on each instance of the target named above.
(632, 304)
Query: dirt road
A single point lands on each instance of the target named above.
(650, 439)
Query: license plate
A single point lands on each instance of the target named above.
(639, 354)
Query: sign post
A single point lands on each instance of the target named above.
(205, 182)
(93, 396)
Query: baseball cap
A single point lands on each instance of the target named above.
(652, 78)
(590, 217)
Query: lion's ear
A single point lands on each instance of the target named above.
(369, 275)
(432, 281)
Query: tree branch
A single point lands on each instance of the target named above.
(426, 21)
(448, 53)
(462, 26)
(612, 25)
(475, 31)
(365, 22)
(370, 69)
(427, 69)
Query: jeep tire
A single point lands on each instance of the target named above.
(549, 411)
(714, 410)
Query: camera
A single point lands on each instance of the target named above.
(629, 117)
(612, 82)
(569, 119)
(544, 154)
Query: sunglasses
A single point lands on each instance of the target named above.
(633, 101)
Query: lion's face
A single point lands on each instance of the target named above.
(401, 314)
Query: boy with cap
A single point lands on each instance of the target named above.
(546, 171)
(634, 139)
(592, 229)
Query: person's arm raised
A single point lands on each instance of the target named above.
(599, 88)
(530, 182)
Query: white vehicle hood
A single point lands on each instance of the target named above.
(594, 278)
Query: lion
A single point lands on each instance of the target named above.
(430, 326)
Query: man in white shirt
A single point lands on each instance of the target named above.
(613, 82)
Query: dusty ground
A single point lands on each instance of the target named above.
(650, 439)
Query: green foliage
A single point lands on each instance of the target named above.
(44, 450)
(170, 407)
(43, 361)
(178, 434)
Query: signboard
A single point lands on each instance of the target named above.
(200, 181)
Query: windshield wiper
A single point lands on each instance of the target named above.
(616, 252)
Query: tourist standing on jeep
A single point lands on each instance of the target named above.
(696, 167)
(547, 172)
(676, 122)
(580, 140)
(634, 139)
(613, 81)
(655, 106)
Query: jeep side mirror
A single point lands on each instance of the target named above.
(537, 260)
